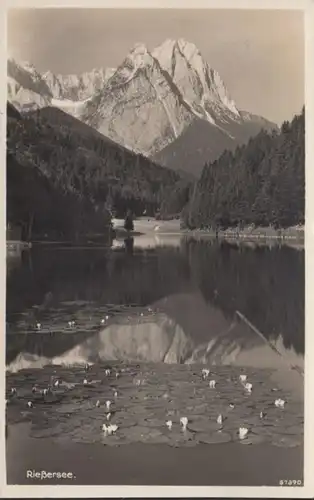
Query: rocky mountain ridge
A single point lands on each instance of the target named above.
(147, 104)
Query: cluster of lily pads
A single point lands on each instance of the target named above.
(122, 428)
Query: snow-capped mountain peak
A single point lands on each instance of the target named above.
(151, 100)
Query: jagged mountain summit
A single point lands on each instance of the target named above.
(149, 103)
(30, 90)
(163, 91)
(201, 86)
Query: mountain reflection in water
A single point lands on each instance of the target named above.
(171, 301)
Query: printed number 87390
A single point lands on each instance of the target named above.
(290, 482)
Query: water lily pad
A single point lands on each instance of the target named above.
(287, 441)
(67, 408)
(253, 439)
(291, 430)
(214, 437)
(203, 425)
(154, 422)
(176, 436)
(53, 398)
(263, 430)
(115, 440)
(152, 437)
(125, 422)
(136, 433)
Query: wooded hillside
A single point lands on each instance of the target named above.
(260, 183)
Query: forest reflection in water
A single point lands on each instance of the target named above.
(172, 301)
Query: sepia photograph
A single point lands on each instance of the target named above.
(155, 247)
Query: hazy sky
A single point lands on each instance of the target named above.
(258, 53)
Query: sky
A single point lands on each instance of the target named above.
(258, 53)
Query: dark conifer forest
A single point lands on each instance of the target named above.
(65, 178)
(260, 183)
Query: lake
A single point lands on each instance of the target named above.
(155, 310)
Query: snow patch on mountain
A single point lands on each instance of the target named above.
(145, 104)
(76, 87)
(74, 108)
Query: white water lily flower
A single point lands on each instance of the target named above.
(108, 404)
(45, 392)
(56, 384)
(30, 404)
(219, 419)
(142, 314)
(112, 429)
(38, 326)
(98, 403)
(212, 384)
(85, 381)
(107, 317)
(169, 424)
(243, 431)
(248, 387)
(102, 321)
(184, 422)
(242, 378)
(107, 372)
(280, 403)
(115, 394)
(108, 416)
(262, 414)
(13, 390)
(205, 372)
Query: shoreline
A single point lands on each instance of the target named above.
(257, 233)
(290, 236)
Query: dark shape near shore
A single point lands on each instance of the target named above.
(128, 222)
(129, 245)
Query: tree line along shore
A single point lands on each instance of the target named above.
(63, 179)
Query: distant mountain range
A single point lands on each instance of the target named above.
(167, 104)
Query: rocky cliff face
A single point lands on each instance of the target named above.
(148, 104)
(76, 87)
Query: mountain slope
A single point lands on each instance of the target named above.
(201, 142)
(167, 104)
(76, 87)
(79, 160)
(36, 202)
(145, 94)
(268, 188)
(28, 89)
(138, 107)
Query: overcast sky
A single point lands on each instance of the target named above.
(259, 54)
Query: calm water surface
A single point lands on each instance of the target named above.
(162, 307)
(172, 300)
